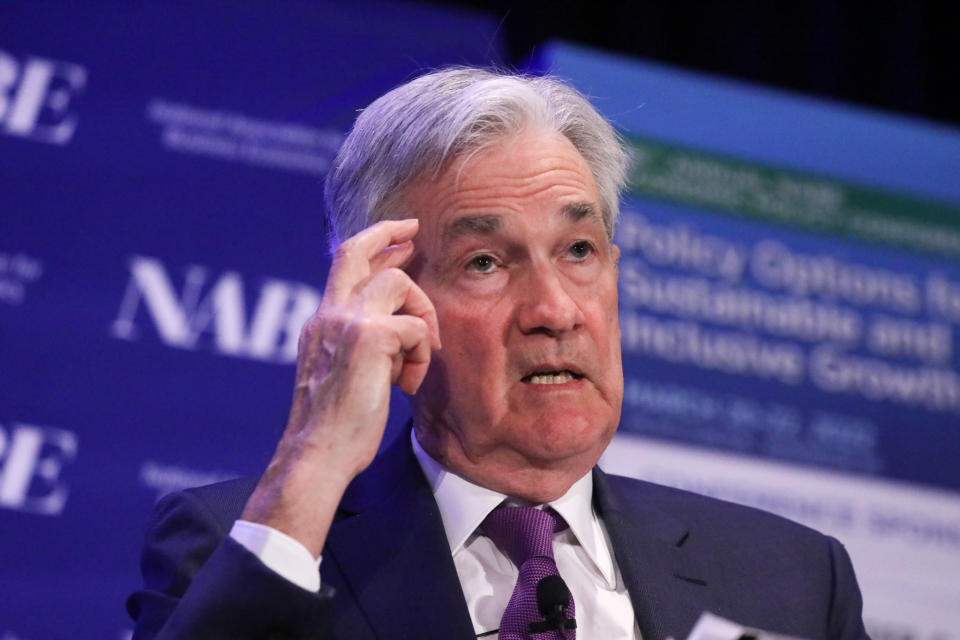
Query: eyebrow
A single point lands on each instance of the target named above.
(488, 224)
(577, 211)
(484, 225)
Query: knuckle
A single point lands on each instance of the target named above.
(312, 327)
(309, 326)
(396, 276)
(360, 329)
(420, 325)
(346, 250)
(316, 322)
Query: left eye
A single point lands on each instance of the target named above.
(482, 264)
(581, 249)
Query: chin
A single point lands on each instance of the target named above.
(560, 436)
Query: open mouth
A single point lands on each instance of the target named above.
(560, 376)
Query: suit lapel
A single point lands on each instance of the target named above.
(392, 551)
(667, 582)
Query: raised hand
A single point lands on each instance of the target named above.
(375, 327)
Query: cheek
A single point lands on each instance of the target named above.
(606, 330)
(472, 342)
(471, 365)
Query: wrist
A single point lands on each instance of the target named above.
(299, 502)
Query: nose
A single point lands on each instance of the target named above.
(548, 304)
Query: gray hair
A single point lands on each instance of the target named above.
(416, 129)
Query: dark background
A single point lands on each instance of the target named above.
(895, 55)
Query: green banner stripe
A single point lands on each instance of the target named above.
(794, 198)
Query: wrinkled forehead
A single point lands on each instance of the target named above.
(459, 171)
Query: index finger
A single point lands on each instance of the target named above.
(393, 292)
(351, 260)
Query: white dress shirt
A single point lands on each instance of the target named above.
(487, 575)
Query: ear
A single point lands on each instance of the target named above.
(616, 254)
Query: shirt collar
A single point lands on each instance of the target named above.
(464, 505)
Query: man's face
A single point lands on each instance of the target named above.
(513, 253)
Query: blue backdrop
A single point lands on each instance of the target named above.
(161, 241)
(790, 284)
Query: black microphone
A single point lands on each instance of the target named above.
(553, 598)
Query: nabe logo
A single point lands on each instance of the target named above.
(31, 459)
(36, 95)
(210, 311)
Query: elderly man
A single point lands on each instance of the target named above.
(473, 216)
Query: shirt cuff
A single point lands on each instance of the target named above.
(280, 553)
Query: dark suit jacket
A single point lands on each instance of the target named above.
(388, 573)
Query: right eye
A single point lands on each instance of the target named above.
(483, 263)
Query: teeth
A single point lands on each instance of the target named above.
(546, 378)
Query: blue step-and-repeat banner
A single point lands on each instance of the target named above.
(161, 242)
(790, 285)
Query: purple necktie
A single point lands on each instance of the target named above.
(526, 535)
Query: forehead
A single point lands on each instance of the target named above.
(533, 171)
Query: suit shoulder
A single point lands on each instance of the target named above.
(721, 517)
(221, 503)
(764, 570)
(228, 493)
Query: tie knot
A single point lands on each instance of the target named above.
(523, 532)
